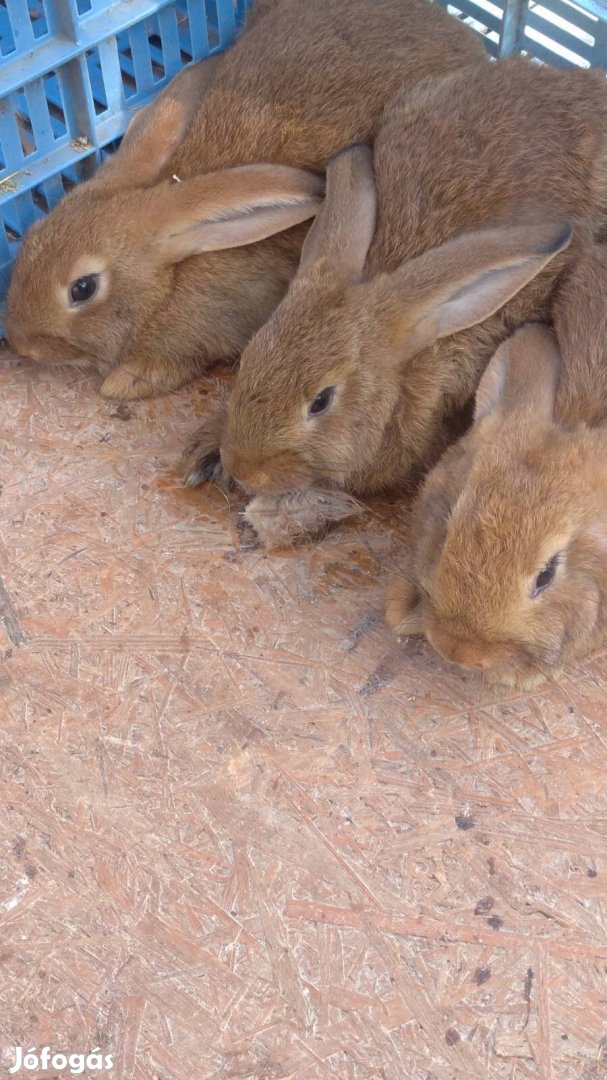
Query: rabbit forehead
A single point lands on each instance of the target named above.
(84, 230)
(310, 339)
(505, 526)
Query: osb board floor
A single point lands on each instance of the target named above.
(246, 834)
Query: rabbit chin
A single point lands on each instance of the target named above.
(56, 353)
(505, 665)
(523, 677)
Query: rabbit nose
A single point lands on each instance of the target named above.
(23, 347)
(258, 480)
(470, 658)
(17, 343)
(467, 653)
(249, 476)
(253, 480)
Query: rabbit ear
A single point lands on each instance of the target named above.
(492, 385)
(232, 208)
(344, 228)
(463, 282)
(155, 133)
(522, 376)
(577, 298)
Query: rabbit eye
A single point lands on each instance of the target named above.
(546, 576)
(84, 289)
(322, 401)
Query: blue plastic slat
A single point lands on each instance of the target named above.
(9, 134)
(53, 190)
(97, 5)
(23, 34)
(52, 94)
(142, 62)
(560, 37)
(226, 22)
(513, 27)
(78, 104)
(96, 82)
(546, 55)
(585, 22)
(169, 36)
(20, 214)
(594, 7)
(599, 54)
(64, 17)
(153, 46)
(111, 75)
(198, 29)
(473, 11)
(7, 41)
(127, 71)
(39, 115)
(491, 45)
(39, 19)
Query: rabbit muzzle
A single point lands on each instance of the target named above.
(43, 350)
(472, 654)
(273, 475)
(23, 345)
(501, 663)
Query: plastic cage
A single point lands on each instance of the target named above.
(72, 71)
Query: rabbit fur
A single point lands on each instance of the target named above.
(420, 262)
(506, 566)
(191, 232)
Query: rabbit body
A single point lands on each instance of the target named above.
(303, 80)
(377, 301)
(506, 567)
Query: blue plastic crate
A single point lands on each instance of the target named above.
(71, 73)
(557, 32)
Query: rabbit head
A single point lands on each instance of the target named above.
(88, 277)
(339, 388)
(506, 568)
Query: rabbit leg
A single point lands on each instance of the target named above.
(201, 458)
(145, 378)
(161, 360)
(298, 516)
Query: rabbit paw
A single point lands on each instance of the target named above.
(124, 384)
(201, 459)
(293, 518)
(247, 536)
(206, 470)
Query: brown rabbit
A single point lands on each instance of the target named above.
(507, 563)
(169, 258)
(364, 372)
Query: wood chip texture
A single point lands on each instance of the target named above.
(244, 832)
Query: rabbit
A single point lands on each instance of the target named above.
(185, 240)
(506, 567)
(410, 277)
